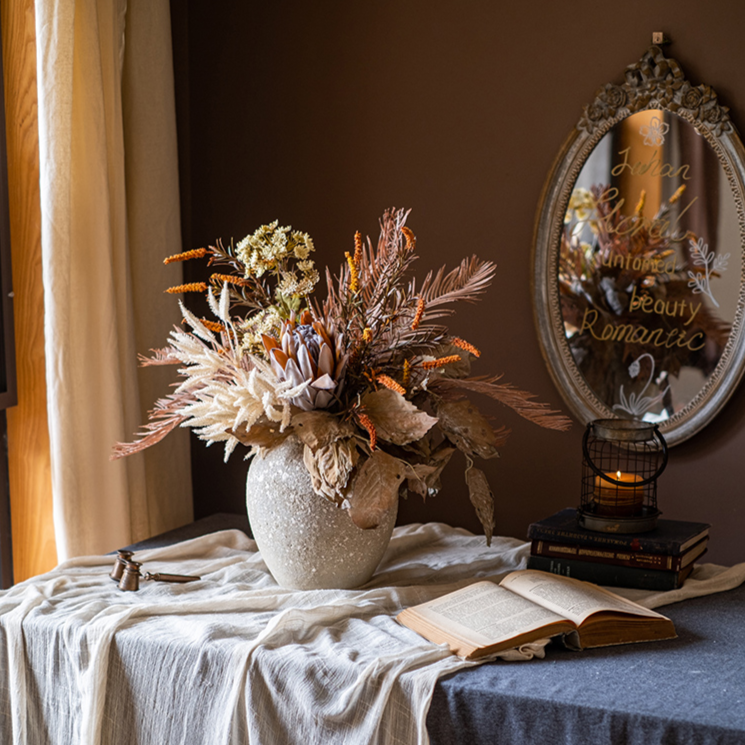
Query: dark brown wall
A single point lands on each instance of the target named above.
(322, 114)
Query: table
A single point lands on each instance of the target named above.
(236, 659)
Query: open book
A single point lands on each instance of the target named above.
(527, 605)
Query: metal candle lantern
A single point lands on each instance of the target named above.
(622, 460)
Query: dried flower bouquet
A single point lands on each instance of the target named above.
(369, 380)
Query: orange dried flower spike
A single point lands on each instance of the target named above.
(367, 335)
(366, 422)
(190, 287)
(230, 279)
(391, 383)
(640, 204)
(218, 328)
(357, 249)
(678, 194)
(410, 238)
(440, 361)
(354, 279)
(406, 375)
(418, 315)
(196, 253)
(467, 346)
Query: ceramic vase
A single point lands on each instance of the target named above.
(306, 541)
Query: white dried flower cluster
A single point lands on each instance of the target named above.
(268, 322)
(271, 246)
(292, 286)
(230, 396)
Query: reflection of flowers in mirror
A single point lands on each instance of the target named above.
(582, 212)
(581, 206)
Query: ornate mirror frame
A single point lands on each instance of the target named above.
(655, 82)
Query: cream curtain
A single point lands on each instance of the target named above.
(110, 214)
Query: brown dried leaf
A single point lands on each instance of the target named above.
(467, 429)
(506, 393)
(416, 479)
(458, 370)
(482, 499)
(396, 420)
(375, 489)
(317, 429)
(425, 479)
(262, 434)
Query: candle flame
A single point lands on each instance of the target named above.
(618, 475)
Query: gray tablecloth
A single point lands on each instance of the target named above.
(680, 692)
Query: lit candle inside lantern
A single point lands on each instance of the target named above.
(626, 493)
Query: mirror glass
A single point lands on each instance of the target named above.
(638, 268)
(649, 266)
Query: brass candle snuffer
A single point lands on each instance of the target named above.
(127, 574)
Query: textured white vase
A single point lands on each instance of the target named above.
(306, 541)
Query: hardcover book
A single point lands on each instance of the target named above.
(638, 559)
(485, 617)
(669, 537)
(611, 574)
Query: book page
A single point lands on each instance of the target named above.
(485, 614)
(570, 597)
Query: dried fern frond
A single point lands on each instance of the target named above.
(465, 283)
(381, 270)
(376, 266)
(391, 342)
(162, 356)
(164, 418)
(507, 394)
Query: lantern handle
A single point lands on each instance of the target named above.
(605, 477)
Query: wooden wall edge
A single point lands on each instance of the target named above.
(34, 548)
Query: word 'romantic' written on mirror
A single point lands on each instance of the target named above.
(638, 334)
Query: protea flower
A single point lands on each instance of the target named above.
(308, 351)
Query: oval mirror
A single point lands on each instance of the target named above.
(638, 255)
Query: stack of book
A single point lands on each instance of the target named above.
(660, 559)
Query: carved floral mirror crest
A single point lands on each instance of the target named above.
(638, 264)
